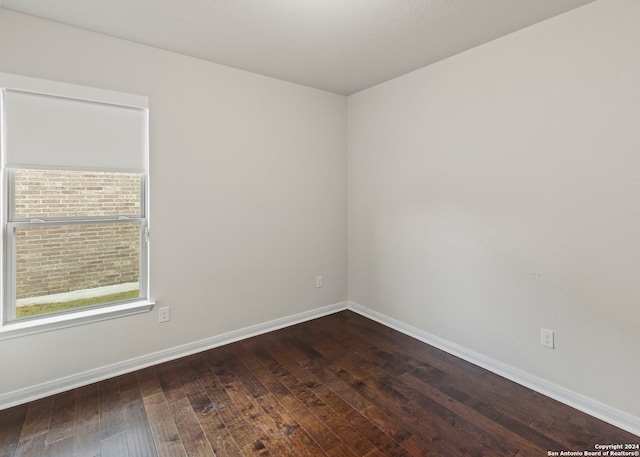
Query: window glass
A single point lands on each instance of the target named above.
(41, 194)
(63, 267)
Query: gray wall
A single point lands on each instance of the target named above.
(496, 192)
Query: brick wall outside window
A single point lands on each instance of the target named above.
(53, 259)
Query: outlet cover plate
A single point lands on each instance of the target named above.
(164, 314)
(546, 338)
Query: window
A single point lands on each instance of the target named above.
(75, 203)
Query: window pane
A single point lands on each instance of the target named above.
(41, 194)
(60, 267)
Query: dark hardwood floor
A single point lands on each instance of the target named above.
(341, 385)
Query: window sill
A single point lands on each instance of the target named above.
(46, 324)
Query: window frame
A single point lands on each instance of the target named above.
(10, 326)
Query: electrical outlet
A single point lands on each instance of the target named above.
(546, 338)
(319, 281)
(164, 314)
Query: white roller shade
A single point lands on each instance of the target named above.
(48, 131)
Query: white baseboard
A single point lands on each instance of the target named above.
(587, 405)
(28, 394)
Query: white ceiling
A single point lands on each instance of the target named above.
(342, 46)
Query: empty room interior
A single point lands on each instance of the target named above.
(351, 204)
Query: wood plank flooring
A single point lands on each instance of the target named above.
(341, 385)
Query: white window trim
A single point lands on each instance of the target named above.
(86, 316)
(46, 323)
